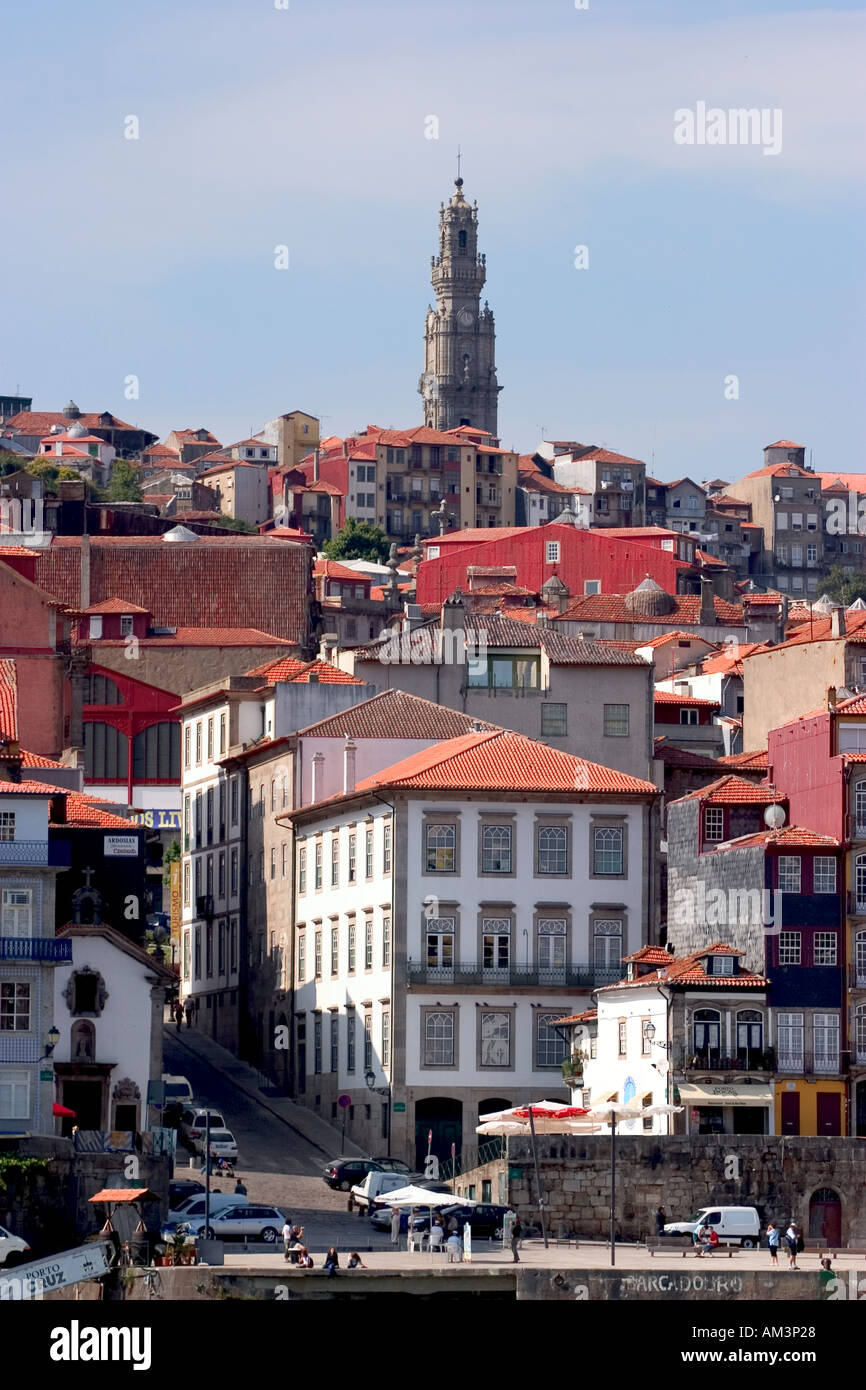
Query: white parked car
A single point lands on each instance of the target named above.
(733, 1225)
(223, 1144)
(177, 1089)
(193, 1210)
(253, 1221)
(193, 1124)
(12, 1249)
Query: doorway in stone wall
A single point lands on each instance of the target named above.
(825, 1216)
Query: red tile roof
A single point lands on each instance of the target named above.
(612, 608)
(86, 811)
(730, 788)
(332, 569)
(672, 756)
(396, 714)
(7, 550)
(724, 499)
(689, 970)
(292, 670)
(650, 955)
(759, 760)
(820, 630)
(33, 422)
(422, 644)
(784, 444)
(707, 559)
(666, 637)
(853, 482)
(588, 1016)
(29, 759)
(729, 660)
(789, 837)
(25, 788)
(9, 699)
(115, 605)
(200, 637)
(668, 697)
(504, 761)
(781, 470)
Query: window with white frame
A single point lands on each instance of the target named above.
(495, 943)
(552, 849)
(790, 947)
(14, 1094)
(622, 1037)
(789, 873)
(607, 948)
(440, 943)
(440, 848)
(368, 1041)
(824, 874)
(607, 850)
(386, 848)
(351, 934)
(386, 942)
(495, 1038)
(317, 1044)
(825, 948)
(302, 957)
(368, 944)
(335, 860)
(353, 841)
(317, 946)
(551, 948)
(551, 1048)
(689, 715)
(439, 1038)
(335, 1042)
(616, 721)
(714, 823)
(16, 912)
(825, 1037)
(302, 871)
(386, 1037)
(496, 856)
(14, 1006)
(7, 826)
(350, 1039)
(551, 552)
(335, 950)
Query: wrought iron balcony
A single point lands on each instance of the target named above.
(44, 950)
(56, 853)
(807, 1063)
(577, 976)
(713, 1059)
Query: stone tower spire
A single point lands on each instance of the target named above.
(458, 385)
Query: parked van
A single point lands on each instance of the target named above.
(733, 1225)
(378, 1184)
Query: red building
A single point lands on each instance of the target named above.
(584, 561)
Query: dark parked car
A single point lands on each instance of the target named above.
(484, 1219)
(180, 1190)
(392, 1165)
(347, 1172)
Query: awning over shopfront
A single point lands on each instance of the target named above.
(725, 1095)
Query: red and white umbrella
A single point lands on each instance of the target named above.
(548, 1117)
(541, 1110)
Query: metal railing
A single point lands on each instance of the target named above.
(36, 948)
(808, 1063)
(713, 1059)
(472, 1158)
(582, 976)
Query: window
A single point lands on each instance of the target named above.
(494, 1038)
(607, 949)
(368, 1041)
(197, 953)
(273, 861)
(607, 851)
(496, 856)
(554, 721)
(789, 873)
(285, 859)
(350, 1040)
(222, 733)
(616, 721)
(221, 873)
(386, 848)
(789, 1041)
(622, 1037)
(233, 872)
(14, 1095)
(551, 552)
(825, 1031)
(552, 849)
(688, 716)
(368, 945)
(335, 950)
(156, 753)
(335, 1042)
(386, 943)
(506, 673)
(750, 1036)
(440, 848)
(824, 874)
(438, 1040)
(707, 1035)
(440, 932)
(335, 860)
(234, 800)
(714, 823)
(550, 1046)
(351, 933)
(186, 885)
(811, 554)
(790, 947)
(317, 960)
(353, 840)
(796, 521)
(15, 912)
(7, 824)
(645, 1042)
(302, 957)
(551, 949)
(720, 965)
(386, 1037)
(368, 853)
(318, 865)
(198, 742)
(186, 745)
(317, 1044)
(824, 948)
(14, 1006)
(273, 793)
(106, 753)
(495, 944)
(210, 739)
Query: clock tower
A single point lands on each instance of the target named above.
(458, 385)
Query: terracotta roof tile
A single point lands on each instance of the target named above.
(672, 756)
(9, 699)
(291, 669)
(667, 637)
(504, 761)
(115, 605)
(731, 789)
(82, 811)
(789, 837)
(612, 608)
(29, 759)
(332, 569)
(668, 697)
(396, 714)
(759, 760)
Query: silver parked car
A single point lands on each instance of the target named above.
(252, 1221)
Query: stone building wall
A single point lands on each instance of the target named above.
(778, 1175)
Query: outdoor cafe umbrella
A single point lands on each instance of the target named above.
(413, 1196)
(546, 1113)
(620, 1110)
(63, 1110)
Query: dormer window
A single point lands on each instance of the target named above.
(714, 823)
(720, 965)
(126, 625)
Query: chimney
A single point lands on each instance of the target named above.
(84, 597)
(708, 608)
(315, 465)
(349, 750)
(453, 613)
(318, 777)
(837, 622)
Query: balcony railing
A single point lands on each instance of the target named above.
(45, 950)
(857, 977)
(746, 1059)
(808, 1063)
(859, 1056)
(57, 853)
(579, 976)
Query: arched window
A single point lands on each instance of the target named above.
(750, 1038)
(441, 849)
(439, 1038)
(106, 753)
(496, 849)
(860, 1032)
(860, 881)
(860, 960)
(552, 849)
(101, 690)
(156, 752)
(860, 808)
(707, 1035)
(461, 241)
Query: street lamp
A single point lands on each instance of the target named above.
(370, 1078)
(52, 1040)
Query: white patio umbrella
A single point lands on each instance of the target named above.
(614, 1110)
(412, 1196)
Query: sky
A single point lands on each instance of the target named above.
(306, 127)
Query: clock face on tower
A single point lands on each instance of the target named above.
(465, 317)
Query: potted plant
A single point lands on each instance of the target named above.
(182, 1249)
(572, 1068)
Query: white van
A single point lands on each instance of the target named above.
(733, 1225)
(377, 1185)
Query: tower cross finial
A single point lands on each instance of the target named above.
(458, 161)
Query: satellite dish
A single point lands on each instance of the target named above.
(774, 817)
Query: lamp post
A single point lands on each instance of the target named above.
(650, 1031)
(52, 1039)
(370, 1078)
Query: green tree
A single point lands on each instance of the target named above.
(123, 485)
(41, 468)
(10, 463)
(235, 523)
(843, 588)
(358, 540)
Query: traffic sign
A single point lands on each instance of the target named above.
(399, 1107)
(344, 1101)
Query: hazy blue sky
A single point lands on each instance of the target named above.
(261, 127)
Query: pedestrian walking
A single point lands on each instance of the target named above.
(239, 1187)
(188, 1010)
(178, 1015)
(774, 1236)
(395, 1225)
(661, 1219)
(516, 1233)
(286, 1234)
(792, 1240)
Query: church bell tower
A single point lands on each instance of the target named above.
(458, 385)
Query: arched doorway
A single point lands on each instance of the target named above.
(825, 1216)
(441, 1118)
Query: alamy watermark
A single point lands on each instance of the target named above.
(736, 126)
(448, 647)
(725, 907)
